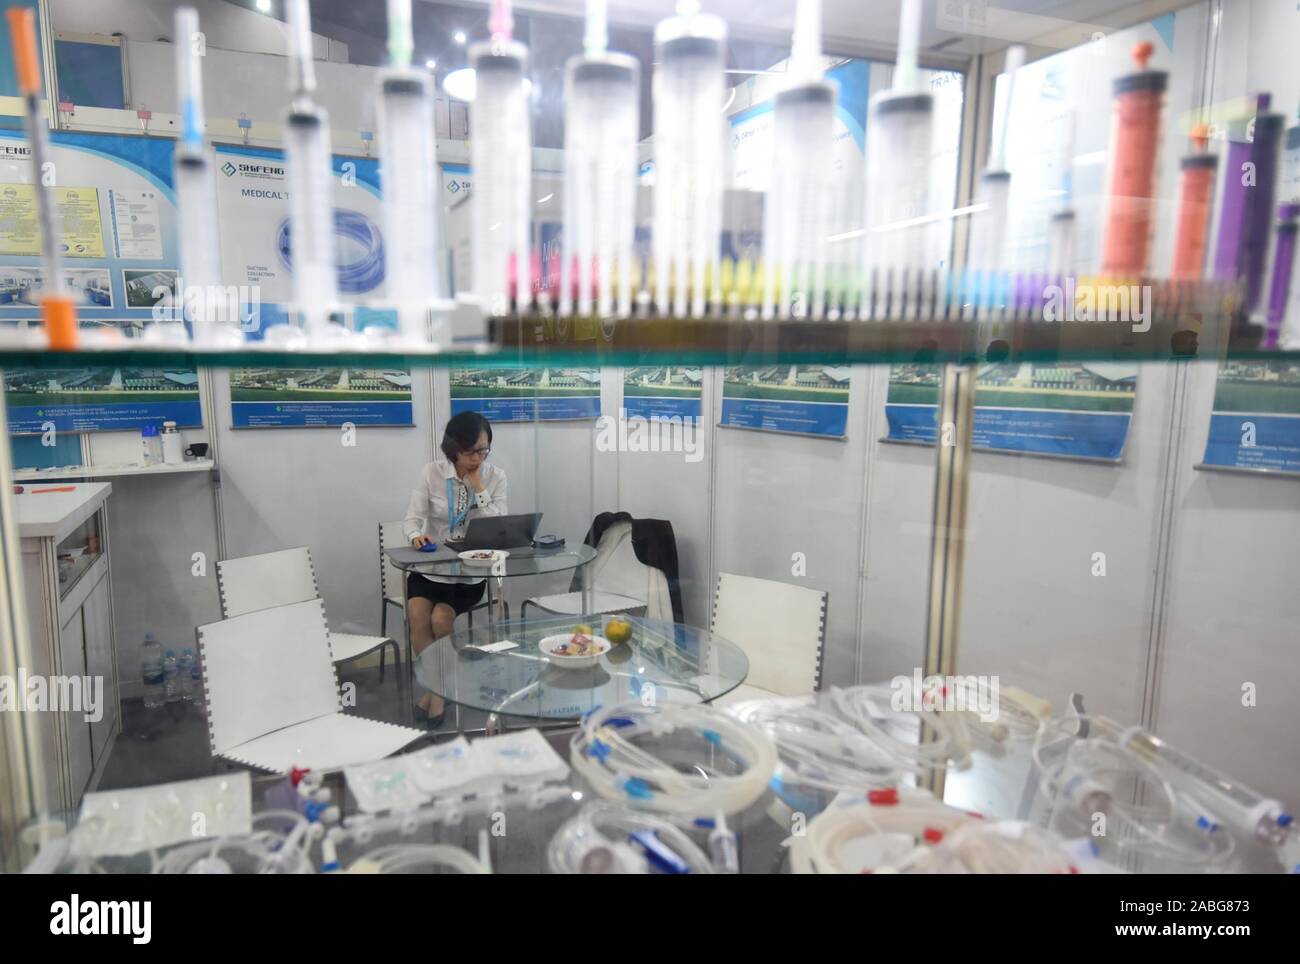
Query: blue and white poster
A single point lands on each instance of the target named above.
(117, 216)
(663, 392)
(1255, 423)
(1058, 408)
(803, 399)
(299, 397)
(526, 394)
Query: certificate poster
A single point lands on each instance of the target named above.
(662, 391)
(298, 397)
(1255, 423)
(526, 394)
(116, 211)
(803, 399)
(1063, 408)
(256, 242)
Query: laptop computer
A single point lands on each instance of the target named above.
(499, 532)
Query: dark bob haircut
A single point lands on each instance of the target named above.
(462, 432)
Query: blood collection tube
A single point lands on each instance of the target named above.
(1135, 138)
(1248, 186)
(1195, 199)
(1283, 264)
(1254, 254)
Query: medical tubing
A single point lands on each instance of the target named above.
(603, 752)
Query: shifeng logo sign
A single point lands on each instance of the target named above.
(228, 169)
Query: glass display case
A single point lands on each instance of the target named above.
(981, 498)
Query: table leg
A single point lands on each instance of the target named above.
(586, 590)
(491, 612)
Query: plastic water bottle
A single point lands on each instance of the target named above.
(184, 672)
(171, 677)
(196, 683)
(151, 660)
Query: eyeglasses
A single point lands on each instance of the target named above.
(481, 453)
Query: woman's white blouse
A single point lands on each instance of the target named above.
(428, 513)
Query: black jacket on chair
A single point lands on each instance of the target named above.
(653, 542)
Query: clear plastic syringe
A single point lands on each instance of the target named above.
(311, 211)
(987, 248)
(602, 124)
(796, 212)
(1236, 805)
(898, 246)
(501, 158)
(689, 98)
(406, 140)
(213, 318)
(1060, 231)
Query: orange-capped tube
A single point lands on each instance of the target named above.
(1195, 199)
(1135, 138)
(22, 34)
(60, 318)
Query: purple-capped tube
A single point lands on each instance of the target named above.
(1283, 265)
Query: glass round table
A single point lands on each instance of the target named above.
(505, 673)
(445, 563)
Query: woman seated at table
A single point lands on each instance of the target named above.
(451, 491)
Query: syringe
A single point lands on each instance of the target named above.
(311, 212)
(1195, 199)
(406, 140)
(1135, 140)
(213, 319)
(1061, 228)
(502, 159)
(898, 243)
(57, 311)
(601, 127)
(796, 210)
(988, 229)
(1235, 804)
(689, 92)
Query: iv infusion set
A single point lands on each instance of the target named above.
(501, 158)
(689, 90)
(797, 207)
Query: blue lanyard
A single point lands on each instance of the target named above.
(455, 519)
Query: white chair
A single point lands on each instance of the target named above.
(620, 583)
(781, 628)
(273, 694)
(253, 583)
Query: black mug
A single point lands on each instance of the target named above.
(198, 450)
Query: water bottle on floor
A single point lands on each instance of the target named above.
(196, 684)
(184, 671)
(151, 660)
(171, 677)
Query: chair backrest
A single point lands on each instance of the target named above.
(780, 627)
(265, 670)
(390, 577)
(270, 579)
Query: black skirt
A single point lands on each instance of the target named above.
(460, 596)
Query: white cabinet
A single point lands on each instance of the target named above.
(68, 596)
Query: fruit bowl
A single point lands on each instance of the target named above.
(574, 650)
